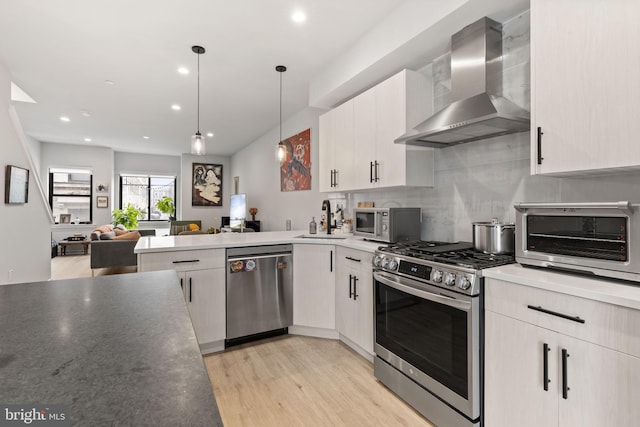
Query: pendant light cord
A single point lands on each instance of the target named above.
(198, 120)
(280, 140)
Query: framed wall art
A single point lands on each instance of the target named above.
(102, 201)
(206, 185)
(295, 168)
(65, 218)
(16, 188)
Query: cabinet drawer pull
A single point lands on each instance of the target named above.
(545, 359)
(565, 386)
(186, 261)
(555, 313)
(352, 259)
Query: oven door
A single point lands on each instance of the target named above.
(432, 336)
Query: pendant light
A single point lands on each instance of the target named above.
(198, 145)
(281, 150)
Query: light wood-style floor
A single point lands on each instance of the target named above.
(302, 381)
(286, 381)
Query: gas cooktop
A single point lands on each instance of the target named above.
(459, 254)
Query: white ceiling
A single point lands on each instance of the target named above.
(62, 52)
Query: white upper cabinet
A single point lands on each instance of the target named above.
(585, 93)
(373, 120)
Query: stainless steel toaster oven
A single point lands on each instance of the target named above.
(593, 238)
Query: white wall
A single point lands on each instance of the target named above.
(259, 173)
(26, 250)
(97, 159)
(209, 215)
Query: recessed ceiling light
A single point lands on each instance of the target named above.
(298, 16)
(145, 137)
(210, 134)
(87, 140)
(65, 119)
(85, 113)
(176, 107)
(183, 70)
(109, 82)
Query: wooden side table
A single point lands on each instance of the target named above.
(63, 244)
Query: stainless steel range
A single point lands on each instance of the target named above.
(429, 327)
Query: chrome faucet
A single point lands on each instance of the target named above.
(326, 206)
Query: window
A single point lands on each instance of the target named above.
(144, 191)
(70, 193)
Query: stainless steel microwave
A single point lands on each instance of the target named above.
(389, 225)
(593, 238)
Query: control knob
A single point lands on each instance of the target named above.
(393, 264)
(464, 283)
(377, 261)
(450, 279)
(436, 276)
(385, 263)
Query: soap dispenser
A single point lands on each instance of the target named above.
(313, 227)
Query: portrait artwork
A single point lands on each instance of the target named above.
(206, 189)
(295, 167)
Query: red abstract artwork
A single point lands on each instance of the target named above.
(295, 167)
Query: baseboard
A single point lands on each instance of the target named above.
(355, 347)
(310, 331)
(212, 347)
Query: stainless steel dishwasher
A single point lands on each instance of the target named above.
(259, 292)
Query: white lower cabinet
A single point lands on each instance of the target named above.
(587, 383)
(314, 286)
(202, 278)
(354, 299)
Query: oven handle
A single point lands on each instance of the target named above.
(443, 299)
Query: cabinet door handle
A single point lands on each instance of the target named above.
(350, 289)
(376, 164)
(555, 313)
(186, 260)
(189, 289)
(540, 133)
(355, 288)
(331, 261)
(335, 177)
(181, 285)
(565, 386)
(370, 171)
(545, 363)
(352, 259)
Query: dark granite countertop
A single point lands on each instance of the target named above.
(120, 350)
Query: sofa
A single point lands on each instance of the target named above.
(115, 250)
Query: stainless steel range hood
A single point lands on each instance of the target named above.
(477, 109)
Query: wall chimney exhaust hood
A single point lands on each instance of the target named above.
(477, 109)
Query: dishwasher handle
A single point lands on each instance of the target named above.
(245, 258)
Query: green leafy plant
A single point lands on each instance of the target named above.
(166, 206)
(128, 216)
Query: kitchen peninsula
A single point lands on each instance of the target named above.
(117, 350)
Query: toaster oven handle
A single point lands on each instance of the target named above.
(622, 205)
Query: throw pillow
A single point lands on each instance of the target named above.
(109, 235)
(121, 227)
(177, 229)
(95, 235)
(119, 231)
(131, 235)
(193, 227)
(104, 228)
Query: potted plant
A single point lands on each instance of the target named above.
(166, 206)
(128, 216)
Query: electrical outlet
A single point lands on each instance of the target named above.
(10, 278)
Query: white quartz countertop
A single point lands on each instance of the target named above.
(614, 292)
(149, 244)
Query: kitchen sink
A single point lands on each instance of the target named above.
(325, 236)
